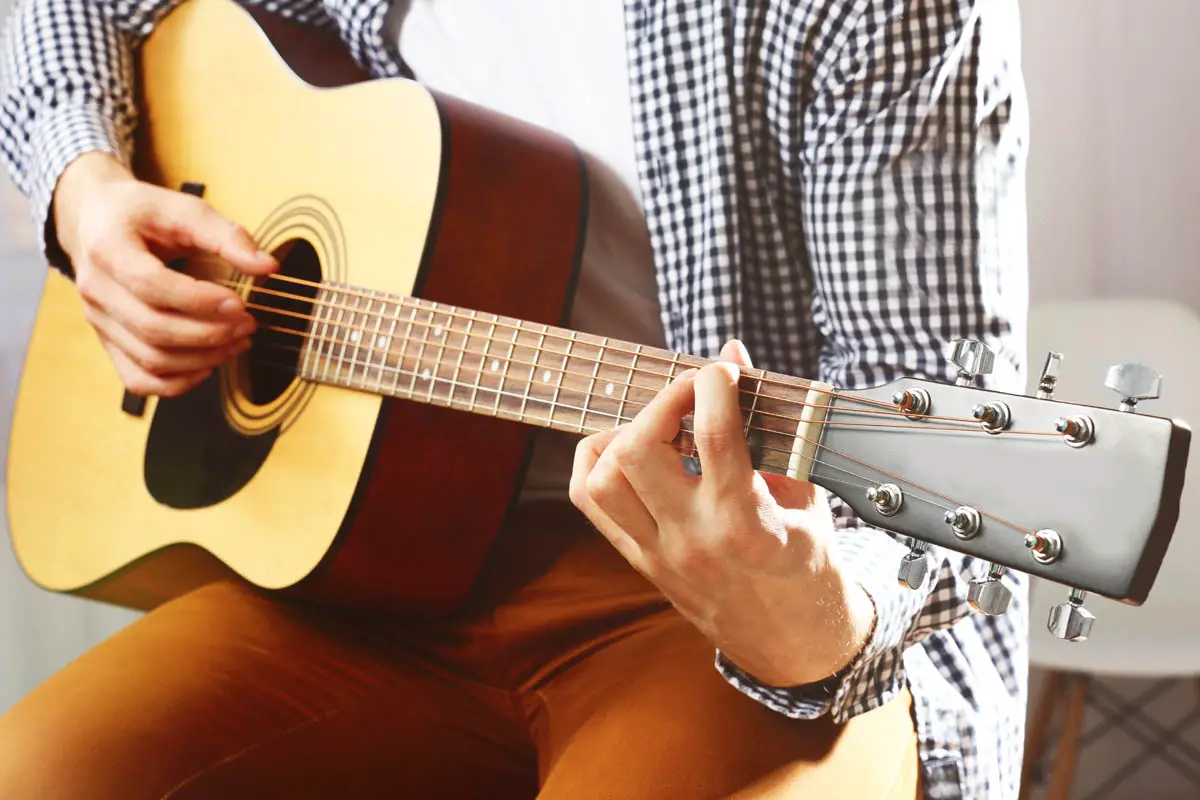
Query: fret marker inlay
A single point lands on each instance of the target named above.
(495, 365)
(609, 389)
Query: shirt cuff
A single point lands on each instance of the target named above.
(876, 675)
(61, 136)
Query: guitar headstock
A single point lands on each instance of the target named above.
(1081, 495)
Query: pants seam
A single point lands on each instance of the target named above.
(245, 751)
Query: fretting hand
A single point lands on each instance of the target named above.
(747, 557)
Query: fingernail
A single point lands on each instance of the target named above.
(230, 306)
(687, 373)
(742, 351)
(243, 330)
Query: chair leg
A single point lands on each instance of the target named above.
(1067, 753)
(1039, 726)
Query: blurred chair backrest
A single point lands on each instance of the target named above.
(1162, 637)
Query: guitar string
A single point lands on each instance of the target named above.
(415, 304)
(887, 410)
(442, 347)
(690, 452)
(457, 384)
(516, 344)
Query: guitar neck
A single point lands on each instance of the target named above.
(530, 373)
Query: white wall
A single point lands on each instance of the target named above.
(1114, 181)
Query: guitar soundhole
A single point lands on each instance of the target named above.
(274, 358)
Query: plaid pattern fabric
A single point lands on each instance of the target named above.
(839, 183)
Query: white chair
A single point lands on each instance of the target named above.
(1160, 639)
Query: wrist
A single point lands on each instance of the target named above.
(88, 174)
(827, 647)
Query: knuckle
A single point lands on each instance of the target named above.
(150, 329)
(626, 452)
(156, 362)
(601, 485)
(713, 441)
(85, 285)
(139, 283)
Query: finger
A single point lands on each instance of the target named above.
(720, 432)
(734, 351)
(156, 285)
(587, 455)
(159, 361)
(140, 382)
(191, 223)
(611, 492)
(157, 328)
(646, 455)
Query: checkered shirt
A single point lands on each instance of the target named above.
(839, 183)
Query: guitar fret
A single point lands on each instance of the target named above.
(671, 372)
(356, 338)
(562, 374)
(412, 315)
(314, 343)
(587, 398)
(376, 339)
(386, 347)
(466, 345)
(347, 337)
(487, 343)
(533, 371)
(753, 408)
(417, 371)
(637, 352)
(440, 333)
(334, 338)
(504, 373)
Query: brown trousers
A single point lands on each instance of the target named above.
(566, 676)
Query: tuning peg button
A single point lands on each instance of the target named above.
(914, 566)
(1134, 382)
(1070, 620)
(988, 595)
(972, 357)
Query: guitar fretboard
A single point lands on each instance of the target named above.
(532, 373)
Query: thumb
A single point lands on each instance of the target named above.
(198, 226)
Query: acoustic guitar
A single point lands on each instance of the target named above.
(367, 448)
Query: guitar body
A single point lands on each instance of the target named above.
(317, 491)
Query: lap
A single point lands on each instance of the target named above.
(649, 717)
(225, 693)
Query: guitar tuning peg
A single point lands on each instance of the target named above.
(972, 357)
(1049, 377)
(988, 595)
(1070, 620)
(914, 566)
(1133, 382)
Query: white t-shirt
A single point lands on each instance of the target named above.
(562, 66)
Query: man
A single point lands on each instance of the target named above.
(833, 186)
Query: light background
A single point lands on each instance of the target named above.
(1114, 190)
